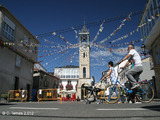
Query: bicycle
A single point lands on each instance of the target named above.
(144, 93)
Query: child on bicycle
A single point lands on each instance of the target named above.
(112, 75)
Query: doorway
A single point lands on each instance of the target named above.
(16, 84)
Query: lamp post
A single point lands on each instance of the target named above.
(143, 49)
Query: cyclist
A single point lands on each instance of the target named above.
(134, 73)
(112, 75)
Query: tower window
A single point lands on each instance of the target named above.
(84, 72)
(84, 55)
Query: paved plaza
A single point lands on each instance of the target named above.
(49, 110)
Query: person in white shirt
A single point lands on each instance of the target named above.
(112, 75)
(134, 73)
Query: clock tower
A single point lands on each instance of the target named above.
(84, 60)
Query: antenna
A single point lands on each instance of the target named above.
(84, 21)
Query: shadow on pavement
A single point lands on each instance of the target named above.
(87, 117)
(153, 107)
(5, 104)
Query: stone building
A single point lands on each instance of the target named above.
(17, 54)
(150, 32)
(42, 79)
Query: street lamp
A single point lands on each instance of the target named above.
(143, 49)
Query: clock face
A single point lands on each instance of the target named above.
(84, 48)
(84, 37)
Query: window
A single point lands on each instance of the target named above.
(67, 76)
(84, 72)
(62, 76)
(84, 55)
(151, 13)
(155, 9)
(18, 61)
(77, 76)
(146, 28)
(69, 86)
(155, 4)
(149, 22)
(72, 76)
(8, 32)
(143, 31)
(157, 55)
(8, 29)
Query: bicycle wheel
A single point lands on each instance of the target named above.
(146, 93)
(111, 94)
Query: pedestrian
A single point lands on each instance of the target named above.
(112, 75)
(134, 73)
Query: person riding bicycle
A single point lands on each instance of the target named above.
(134, 73)
(112, 75)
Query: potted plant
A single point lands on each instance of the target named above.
(4, 96)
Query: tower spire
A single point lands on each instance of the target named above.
(84, 21)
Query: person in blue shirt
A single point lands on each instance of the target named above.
(112, 75)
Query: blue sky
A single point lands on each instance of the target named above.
(44, 16)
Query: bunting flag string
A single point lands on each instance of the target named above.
(125, 36)
(50, 61)
(100, 30)
(47, 41)
(75, 33)
(60, 51)
(149, 20)
(117, 45)
(113, 49)
(61, 37)
(137, 30)
(36, 45)
(118, 28)
(49, 54)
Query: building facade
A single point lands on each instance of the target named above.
(150, 32)
(42, 79)
(69, 76)
(16, 54)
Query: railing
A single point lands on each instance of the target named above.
(100, 94)
(48, 94)
(17, 95)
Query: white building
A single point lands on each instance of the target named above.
(69, 76)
